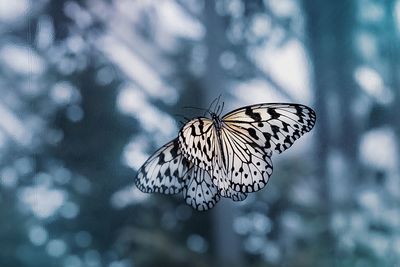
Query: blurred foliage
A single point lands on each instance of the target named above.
(89, 89)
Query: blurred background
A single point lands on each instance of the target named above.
(89, 89)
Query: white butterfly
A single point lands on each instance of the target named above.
(228, 156)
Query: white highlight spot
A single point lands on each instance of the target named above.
(64, 92)
(132, 101)
(42, 201)
(22, 59)
(288, 65)
(373, 84)
(261, 25)
(137, 69)
(11, 11)
(178, 22)
(378, 149)
(283, 8)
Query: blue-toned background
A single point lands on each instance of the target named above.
(89, 89)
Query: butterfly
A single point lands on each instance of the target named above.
(227, 156)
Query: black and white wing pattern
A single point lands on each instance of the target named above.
(199, 191)
(235, 165)
(236, 196)
(247, 166)
(168, 172)
(237, 149)
(272, 126)
(199, 142)
(228, 156)
(164, 171)
(249, 136)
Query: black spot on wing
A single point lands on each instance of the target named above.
(275, 131)
(254, 115)
(252, 133)
(199, 147)
(201, 125)
(209, 142)
(175, 149)
(299, 113)
(161, 159)
(287, 140)
(267, 137)
(167, 172)
(272, 112)
(193, 130)
(285, 126)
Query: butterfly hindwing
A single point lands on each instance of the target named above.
(237, 196)
(199, 191)
(248, 167)
(164, 171)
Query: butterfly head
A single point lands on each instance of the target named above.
(214, 116)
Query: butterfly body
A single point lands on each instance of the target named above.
(217, 121)
(230, 156)
(218, 124)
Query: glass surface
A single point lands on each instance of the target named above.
(90, 89)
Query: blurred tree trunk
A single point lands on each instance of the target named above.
(329, 26)
(393, 56)
(226, 242)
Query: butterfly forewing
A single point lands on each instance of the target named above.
(198, 142)
(164, 171)
(271, 126)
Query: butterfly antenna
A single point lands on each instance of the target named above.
(217, 109)
(222, 108)
(212, 103)
(217, 106)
